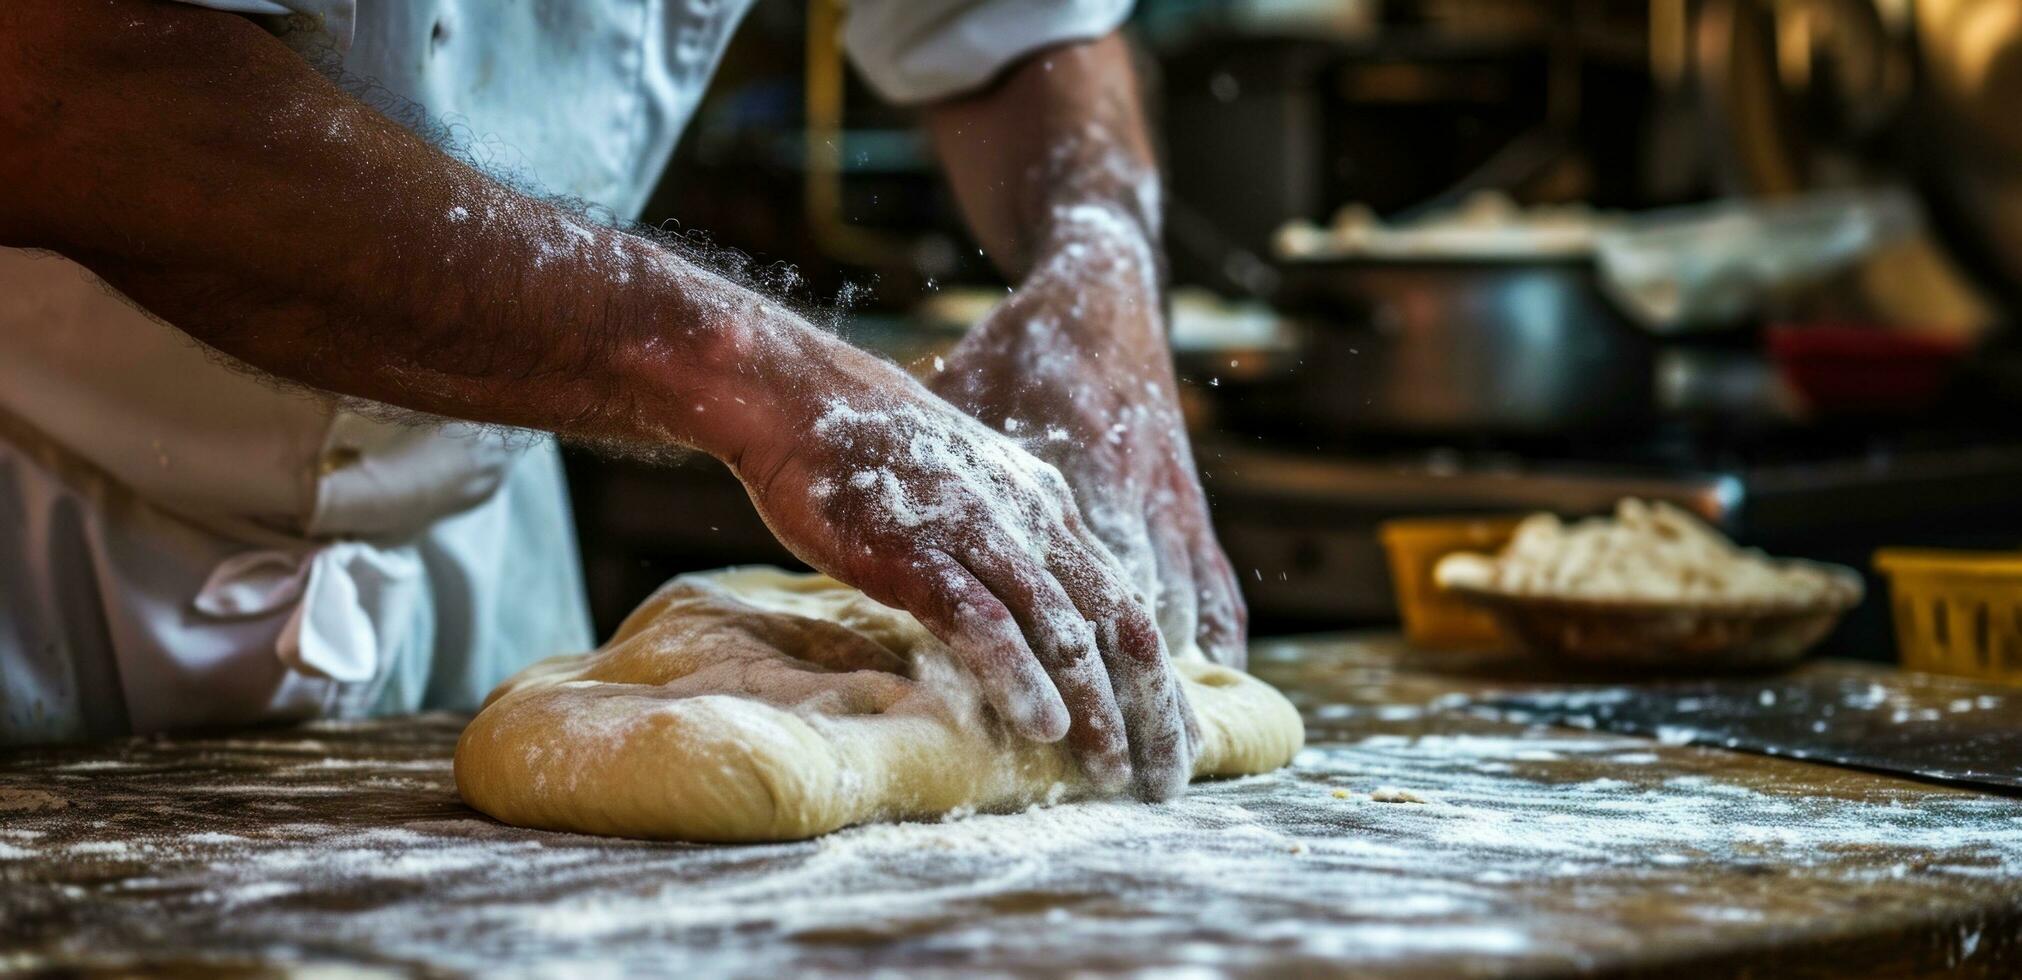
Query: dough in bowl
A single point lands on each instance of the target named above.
(753, 704)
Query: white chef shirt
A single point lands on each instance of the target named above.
(182, 543)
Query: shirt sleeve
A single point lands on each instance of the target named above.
(914, 51)
(336, 16)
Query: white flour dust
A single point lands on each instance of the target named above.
(1304, 866)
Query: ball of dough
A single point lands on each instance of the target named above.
(753, 704)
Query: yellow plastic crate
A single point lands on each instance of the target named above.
(1957, 612)
(1434, 620)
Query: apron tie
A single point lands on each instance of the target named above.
(328, 633)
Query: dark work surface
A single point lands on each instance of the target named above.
(1536, 851)
(1921, 725)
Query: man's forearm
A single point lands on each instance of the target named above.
(210, 174)
(1055, 151)
(1054, 169)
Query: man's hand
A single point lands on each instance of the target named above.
(869, 477)
(206, 171)
(1054, 170)
(1074, 365)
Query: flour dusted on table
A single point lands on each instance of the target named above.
(753, 704)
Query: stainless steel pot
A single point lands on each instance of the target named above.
(1455, 347)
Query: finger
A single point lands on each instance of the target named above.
(1065, 645)
(1224, 617)
(1120, 531)
(1141, 676)
(962, 613)
(1178, 602)
(1179, 594)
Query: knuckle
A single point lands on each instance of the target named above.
(1137, 638)
(1053, 481)
(1077, 654)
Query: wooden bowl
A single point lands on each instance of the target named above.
(1666, 636)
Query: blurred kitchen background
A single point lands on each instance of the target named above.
(1463, 257)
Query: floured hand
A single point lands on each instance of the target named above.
(869, 477)
(1074, 365)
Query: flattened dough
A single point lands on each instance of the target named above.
(752, 704)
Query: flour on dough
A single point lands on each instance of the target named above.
(752, 704)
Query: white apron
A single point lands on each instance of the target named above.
(183, 544)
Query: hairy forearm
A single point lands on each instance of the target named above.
(211, 175)
(1054, 153)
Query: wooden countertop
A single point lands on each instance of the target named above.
(1537, 851)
